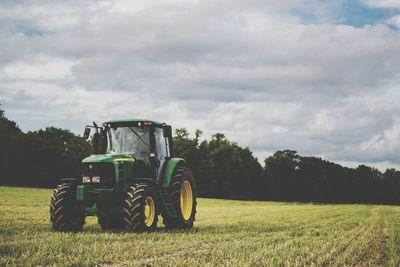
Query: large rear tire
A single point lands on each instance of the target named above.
(63, 217)
(141, 208)
(183, 196)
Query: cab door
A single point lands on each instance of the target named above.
(162, 151)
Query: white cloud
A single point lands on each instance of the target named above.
(322, 125)
(384, 143)
(39, 69)
(131, 6)
(394, 21)
(250, 69)
(382, 3)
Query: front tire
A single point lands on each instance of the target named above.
(141, 208)
(183, 196)
(63, 217)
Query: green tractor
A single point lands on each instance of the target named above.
(132, 177)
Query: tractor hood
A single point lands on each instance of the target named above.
(107, 158)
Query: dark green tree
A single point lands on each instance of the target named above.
(10, 136)
(222, 168)
(61, 153)
(283, 167)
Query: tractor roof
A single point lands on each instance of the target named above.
(132, 121)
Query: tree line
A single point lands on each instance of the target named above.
(222, 168)
(225, 170)
(39, 158)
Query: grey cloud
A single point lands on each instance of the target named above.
(253, 71)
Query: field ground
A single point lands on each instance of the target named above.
(236, 233)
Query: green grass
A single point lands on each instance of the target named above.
(236, 233)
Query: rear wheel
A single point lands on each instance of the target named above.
(63, 217)
(183, 196)
(141, 208)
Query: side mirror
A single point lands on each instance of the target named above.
(167, 129)
(86, 133)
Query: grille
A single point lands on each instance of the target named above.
(106, 171)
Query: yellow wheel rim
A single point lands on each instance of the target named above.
(186, 200)
(149, 211)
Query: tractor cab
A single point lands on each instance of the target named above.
(148, 143)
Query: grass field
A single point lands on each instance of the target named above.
(236, 233)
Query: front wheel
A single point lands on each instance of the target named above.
(183, 196)
(63, 215)
(141, 208)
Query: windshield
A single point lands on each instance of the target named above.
(129, 140)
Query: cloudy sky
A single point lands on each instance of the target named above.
(320, 77)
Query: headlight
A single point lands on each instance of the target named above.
(85, 179)
(96, 179)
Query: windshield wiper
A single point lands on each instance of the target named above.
(137, 135)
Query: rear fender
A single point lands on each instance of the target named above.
(169, 170)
